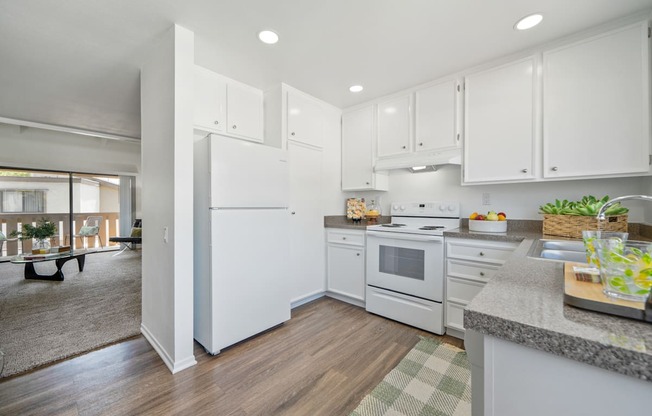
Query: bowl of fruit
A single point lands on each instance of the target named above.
(491, 223)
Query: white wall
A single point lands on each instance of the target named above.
(167, 194)
(109, 199)
(89, 197)
(518, 201)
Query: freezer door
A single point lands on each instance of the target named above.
(249, 273)
(246, 174)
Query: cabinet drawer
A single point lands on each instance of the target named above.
(455, 315)
(462, 290)
(355, 238)
(471, 270)
(494, 252)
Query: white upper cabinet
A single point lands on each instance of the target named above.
(305, 120)
(357, 151)
(394, 126)
(210, 101)
(596, 105)
(225, 106)
(499, 123)
(435, 125)
(244, 111)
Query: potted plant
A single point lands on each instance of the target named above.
(41, 232)
(569, 218)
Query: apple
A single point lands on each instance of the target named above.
(480, 217)
(492, 216)
(503, 214)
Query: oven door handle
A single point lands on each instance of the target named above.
(405, 236)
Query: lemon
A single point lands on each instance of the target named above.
(643, 281)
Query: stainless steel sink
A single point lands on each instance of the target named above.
(558, 250)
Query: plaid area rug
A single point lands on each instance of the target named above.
(433, 379)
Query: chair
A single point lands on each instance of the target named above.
(91, 228)
(4, 238)
(135, 237)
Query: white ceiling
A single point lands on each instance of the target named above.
(76, 62)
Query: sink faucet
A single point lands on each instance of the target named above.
(611, 202)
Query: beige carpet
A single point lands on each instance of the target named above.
(42, 321)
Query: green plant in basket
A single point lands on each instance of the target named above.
(587, 206)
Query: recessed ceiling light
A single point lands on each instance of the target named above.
(356, 88)
(528, 22)
(267, 36)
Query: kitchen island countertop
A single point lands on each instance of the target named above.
(523, 303)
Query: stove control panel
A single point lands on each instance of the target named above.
(447, 209)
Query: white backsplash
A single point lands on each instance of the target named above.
(518, 201)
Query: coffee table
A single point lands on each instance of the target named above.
(59, 260)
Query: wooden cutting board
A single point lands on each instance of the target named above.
(589, 295)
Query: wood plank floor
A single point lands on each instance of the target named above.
(321, 362)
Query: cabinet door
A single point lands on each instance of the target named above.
(305, 120)
(244, 111)
(357, 150)
(499, 127)
(596, 105)
(346, 270)
(306, 222)
(394, 126)
(435, 117)
(210, 100)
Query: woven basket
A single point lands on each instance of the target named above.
(573, 225)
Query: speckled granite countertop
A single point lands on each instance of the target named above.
(524, 304)
(340, 221)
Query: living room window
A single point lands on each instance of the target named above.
(18, 200)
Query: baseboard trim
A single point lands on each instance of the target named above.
(173, 366)
(305, 299)
(344, 298)
(455, 333)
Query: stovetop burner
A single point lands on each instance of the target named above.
(393, 225)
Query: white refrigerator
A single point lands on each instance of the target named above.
(241, 240)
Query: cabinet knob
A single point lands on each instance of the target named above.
(367, 183)
(357, 254)
(524, 171)
(554, 168)
(292, 134)
(403, 147)
(343, 238)
(420, 144)
(293, 212)
(481, 253)
(217, 122)
(481, 273)
(235, 127)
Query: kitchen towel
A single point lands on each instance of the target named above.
(432, 379)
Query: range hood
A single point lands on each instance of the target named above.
(434, 158)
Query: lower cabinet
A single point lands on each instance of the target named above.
(346, 265)
(469, 266)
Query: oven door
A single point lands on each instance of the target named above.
(411, 264)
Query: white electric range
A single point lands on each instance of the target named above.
(405, 263)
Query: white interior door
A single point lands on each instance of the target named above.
(307, 271)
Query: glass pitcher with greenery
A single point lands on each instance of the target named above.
(41, 232)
